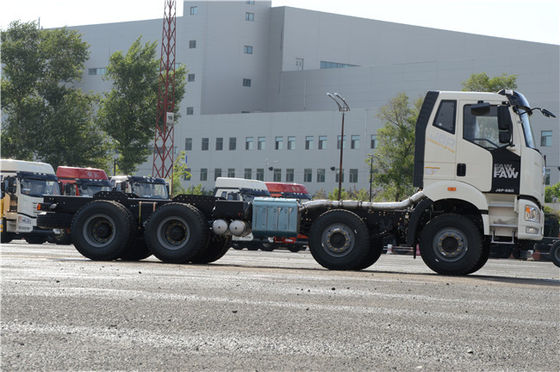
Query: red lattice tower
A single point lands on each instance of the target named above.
(164, 135)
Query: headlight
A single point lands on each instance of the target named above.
(532, 213)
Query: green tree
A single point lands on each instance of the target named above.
(344, 195)
(483, 83)
(552, 193)
(393, 159)
(44, 117)
(128, 111)
(180, 171)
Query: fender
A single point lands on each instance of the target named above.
(442, 190)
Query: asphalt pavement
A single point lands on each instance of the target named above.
(273, 311)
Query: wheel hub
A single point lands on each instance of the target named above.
(450, 244)
(338, 240)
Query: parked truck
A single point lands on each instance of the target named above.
(141, 186)
(480, 180)
(23, 185)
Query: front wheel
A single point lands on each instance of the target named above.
(339, 240)
(451, 244)
(555, 253)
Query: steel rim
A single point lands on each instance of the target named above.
(173, 233)
(99, 230)
(338, 240)
(450, 244)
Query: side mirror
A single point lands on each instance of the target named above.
(122, 186)
(504, 119)
(11, 187)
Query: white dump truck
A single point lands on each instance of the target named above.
(23, 185)
(477, 169)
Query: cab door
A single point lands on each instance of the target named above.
(484, 158)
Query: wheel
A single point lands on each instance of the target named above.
(136, 251)
(5, 237)
(102, 230)
(375, 251)
(451, 244)
(555, 253)
(176, 232)
(339, 240)
(216, 248)
(35, 239)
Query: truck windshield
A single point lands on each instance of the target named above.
(150, 190)
(527, 129)
(91, 188)
(39, 187)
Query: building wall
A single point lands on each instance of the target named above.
(288, 99)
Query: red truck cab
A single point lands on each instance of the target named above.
(82, 181)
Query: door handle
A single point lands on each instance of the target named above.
(461, 170)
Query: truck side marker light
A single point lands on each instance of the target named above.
(451, 189)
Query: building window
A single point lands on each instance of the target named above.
(250, 17)
(192, 44)
(546, 138)
(188, 175)
(248, 49)
(337, 174)
(190, 77)
(338, 142)
(248, 174)
(309, 142)
(290, 175)
(547, 176)
(219, 143)
(190, 110)
(261, 143)
(307, 175)
(327, 64)
(204, 144)
(322, 145)
(277, 176)
(217, 173)
(231, 172)
(97, 71)
(291, 143)
(299, 64)
(355, 142)
(246, 82)
(353, 176)
(232, 143)
(278, 143)
(373, 141)
(321, 175)
(194, 10)
(260, 174)
(250, 2)
(249, 143)
(203, 174)
(188, 144)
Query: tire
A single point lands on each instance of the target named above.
(339, 240)
(555, 253)
(5, 237)
(375, 251)
(216, 247)
(451, 244)
(102, 229)
(136, 251)
(176, 232)
(483, 258)
(35, 239)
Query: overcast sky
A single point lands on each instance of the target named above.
(534, 20)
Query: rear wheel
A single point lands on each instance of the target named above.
(136, 251)
(451, 244)
(555, 253)
(176, 232)
(216, 248)
(102, 230)
(339, 240)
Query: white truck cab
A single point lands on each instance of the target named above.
(231, 188)
(23, 185)
(478, 148)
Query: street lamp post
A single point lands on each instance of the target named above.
(370, 174)
(342, 107)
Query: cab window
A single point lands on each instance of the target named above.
(445, 117)
(481, 128)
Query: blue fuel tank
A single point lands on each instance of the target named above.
(275, 217)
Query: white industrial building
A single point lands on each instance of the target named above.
(256, 103)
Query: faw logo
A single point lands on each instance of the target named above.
(505, 171)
